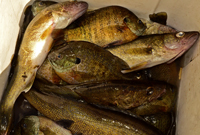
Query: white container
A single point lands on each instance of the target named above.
(184, 15)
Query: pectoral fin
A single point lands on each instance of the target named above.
(30, 83)
(137, 67)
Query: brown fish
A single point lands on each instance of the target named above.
(151, 50)
(36, 43)
(112, 25)
(83, 62)
(88, 120)
(163, 104)
(121, 94)
(38, 125)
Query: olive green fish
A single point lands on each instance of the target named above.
(46, 72)
(38, 125)
(162, 121)
(82, 61)
(151, 50)
(60, 90)
(163, 104)
(121, 94)
(36, 43)
(39, 5)
(156, 28)
(88, 120)
(112, 25)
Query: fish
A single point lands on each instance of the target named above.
(82, 61)
(163, 104)
(39, 5)
(162, 121)
(60, 90)
(47, 73)
(36, 43)
(156, 28)
(152, 50)
(38, 125)
(87, 119)
(121, 94)
(160, 17)
(107, 26)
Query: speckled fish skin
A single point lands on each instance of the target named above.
(88, 120)
(148, 51)
(163, 104)
(121, 94)
(34, 48)
(38, 125)
(156, 28)
(112, 25)
(83, 61)
(162, 121)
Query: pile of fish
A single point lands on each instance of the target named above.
(93, 72)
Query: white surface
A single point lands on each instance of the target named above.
(182, 14)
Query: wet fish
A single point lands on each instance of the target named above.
(112, 25)
(46, 72)
(38, 125)
(160, 17)
(39, 5)
(35, 45)
(61, 90)
(88, 120)
(83, 62)
(152, 50)
(162, 121)
(121, 94)
(156, 28)
(163, 104)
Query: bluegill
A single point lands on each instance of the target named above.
(112, 25)
(148, 51)
(82, 61)
(121, 94)
(35, 45)
(47, 73)
(38, 125)
(88, 120)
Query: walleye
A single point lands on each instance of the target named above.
(35, 45)
(82, 61)
(112, 25)
(152, 50)
(88, 120)
(38, 125)
(121, 94)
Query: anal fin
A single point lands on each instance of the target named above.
(137, 67)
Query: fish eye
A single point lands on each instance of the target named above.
(125, 20)
(59, 56)
(139, 21)
(78, 61)
(149, 91)
(180, 34)
(41, 3)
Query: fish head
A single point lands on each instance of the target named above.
(174, 45)
(63, 59)
(65, 13)
(39, 5)
(135, 24)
